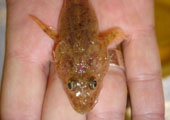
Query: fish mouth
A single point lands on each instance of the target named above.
(82, 106)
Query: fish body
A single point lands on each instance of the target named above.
(81, 55)
(81, 59)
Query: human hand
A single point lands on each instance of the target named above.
(27, 95)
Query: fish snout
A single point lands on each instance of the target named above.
(83, 103)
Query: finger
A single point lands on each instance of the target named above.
(22, 92)
(143, 65)
(56, 104)
(144, 76)
(26, 65)
(112, 99)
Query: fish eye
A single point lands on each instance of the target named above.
(72, 84)
(92, 83)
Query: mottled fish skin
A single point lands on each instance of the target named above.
(80, 54)
(80, 57)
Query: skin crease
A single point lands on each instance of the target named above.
(28, 55)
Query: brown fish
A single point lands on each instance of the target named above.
(81, 53)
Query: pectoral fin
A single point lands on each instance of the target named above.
(48, 30)
(114, 35)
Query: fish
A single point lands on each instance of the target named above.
(81, 52)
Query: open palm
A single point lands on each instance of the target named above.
(31, 89)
